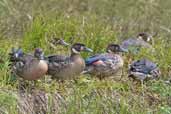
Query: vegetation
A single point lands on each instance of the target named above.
(29, 23)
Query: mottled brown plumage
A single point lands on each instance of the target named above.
(142, 40)
(144, 69)
(62, 67)
(31, 67)
(106, 64)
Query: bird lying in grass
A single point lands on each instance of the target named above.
(144, 69)
(134, 44)
(67, 67)
(27, 66)
(105, 64)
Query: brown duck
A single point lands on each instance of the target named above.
(105, 64)
(30, 67)
(62, 67)
(143, 39)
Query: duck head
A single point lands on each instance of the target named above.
(78, 47)
(115, 48)
(57, 41)
(39, 54)
(19, 53)
(145, 36)
(16, 54)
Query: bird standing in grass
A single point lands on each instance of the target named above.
(105, 64)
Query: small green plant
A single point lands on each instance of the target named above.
(8, 102)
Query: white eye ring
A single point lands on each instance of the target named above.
(75, 51)
(148, 39)
(139, 37)
(16, 55)
(109, 51)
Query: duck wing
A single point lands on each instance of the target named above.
(102, 59)
(134, 45)
(97, 57)
(56, 58)
(143, 66)
(23, 63)
(58, 62)
(128, 42)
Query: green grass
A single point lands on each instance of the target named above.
(96, 23)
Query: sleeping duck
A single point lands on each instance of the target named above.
(27, 66)
(143, 69)
(15, 54)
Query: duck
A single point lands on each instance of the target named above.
(105, 64)
(67, 67)
(143, 69)
(15, 54)
(57, 41)
(133, 45)
(28, 66)
(53, 43)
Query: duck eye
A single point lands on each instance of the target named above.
(60, 41)
(82, 48)
(109, 51)
(116, 47)
(148, 39)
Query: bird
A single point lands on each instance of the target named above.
(57, 41)
(15, 54)
(53, 43)
(67, 67)
(28, 66)
(31, 67)
(133, 45)
(105, 64)
(143, 69)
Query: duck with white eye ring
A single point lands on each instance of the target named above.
(67, 67)
(106, 64)
(30, 67)
(133, 45)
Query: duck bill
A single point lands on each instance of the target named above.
(88, 49)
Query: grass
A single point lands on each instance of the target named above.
(96, 23)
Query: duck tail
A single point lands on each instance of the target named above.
(87, 70)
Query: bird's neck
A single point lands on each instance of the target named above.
(114, 53)
(77, 60)
(75, 56)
